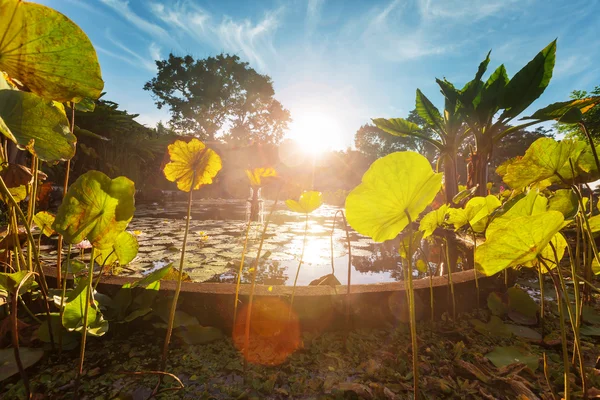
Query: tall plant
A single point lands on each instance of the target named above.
(394, 192)
(191, 166)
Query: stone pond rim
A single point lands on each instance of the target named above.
(321, 308)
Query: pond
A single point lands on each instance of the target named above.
(216, 241)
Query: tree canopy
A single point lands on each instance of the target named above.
(219, 98)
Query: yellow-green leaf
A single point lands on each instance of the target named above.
(476, 213)
(307, 203)
(44, 221)
(565, 201)
(433, 219)
(255, 176)
(39, 125)
(191, 160)
(96, 208)
(47, 52)
(123, 250)
(396, 185)
(517, 243)
(547, 254)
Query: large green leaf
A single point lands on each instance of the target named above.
(21, 279)
(470, 91)
(74, 311)
(530, 204)
(47, 52)
(123, 250)
(8, 365)
(428, 112)
(491, 95)
(545, 160)
(397, 126)
(307, 203)
(529, 83)
(517, 243)
(396, 185)
(565, 201)
(41, 125)
(191, 160)
(96, 208)
(558, 110)
(44, 221)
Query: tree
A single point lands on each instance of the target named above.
(591, 119)
(219, 97)
(375, 143)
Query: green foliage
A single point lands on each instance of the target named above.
(124, 250)
(44, 221)
(433, 220)
(591, 117)
(219, 95)
(39, 125)
(395, 186)
(47, 53)
(96, 208)
(504, 356)
(475, 213)
(307, 203)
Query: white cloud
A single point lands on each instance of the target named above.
(252, 40)
(313, 14)
(463, 9)
(122, 8)
(154, 50)
(131, 56)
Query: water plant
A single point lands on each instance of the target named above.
(191, 166)
(393, 193)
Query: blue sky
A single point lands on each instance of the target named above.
(343, 61)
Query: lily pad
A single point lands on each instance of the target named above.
(520, 302)
(494, 327)
(504, 356)
(198, 334)
(524, 332)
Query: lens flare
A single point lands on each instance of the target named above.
(274, 331)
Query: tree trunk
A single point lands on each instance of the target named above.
(450, 179)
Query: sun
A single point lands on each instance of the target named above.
(315, 132)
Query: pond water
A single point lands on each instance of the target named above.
(216, 241)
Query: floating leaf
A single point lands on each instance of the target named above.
(96, 208)
(44, 221)
(307, 203)
(47, 52)
(520, 302)
(519, 243)
(394, 185)
(524, 332)
(496, 305)
(197, 334)
(495, 327)
(504, 356)
(39, 125)
(191, 159)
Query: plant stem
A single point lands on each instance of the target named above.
(475, 269)
(563, 332)
(239, 277)
(450, 281)
(591, 142)
(411, 309)
(15, 334)
(62, 300)
(163, 363)
(299, 265)
(253, 284)
(542, 302)
(88, 295)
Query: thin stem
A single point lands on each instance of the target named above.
(240, 271)
(88, 295)
(542, 301)
(163, 363)
(450, 280)
(299, 265)
(412, 312)
(62, 299)
(253, 284)
(475, 269)
(15, 334)
(563, 332)
(591, 142)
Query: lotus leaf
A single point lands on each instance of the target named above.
(124, 250)
(518, 243)
(191, 159)
(47, 52)
(476, 213)
(39, 125)
(44, 221)
(396, 185)
(504, 356)
(432, 220)
(8, 366)
(255, 176)
(96, 208)
(565, 201)
(307, 203)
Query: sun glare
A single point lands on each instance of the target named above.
(315, 132)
